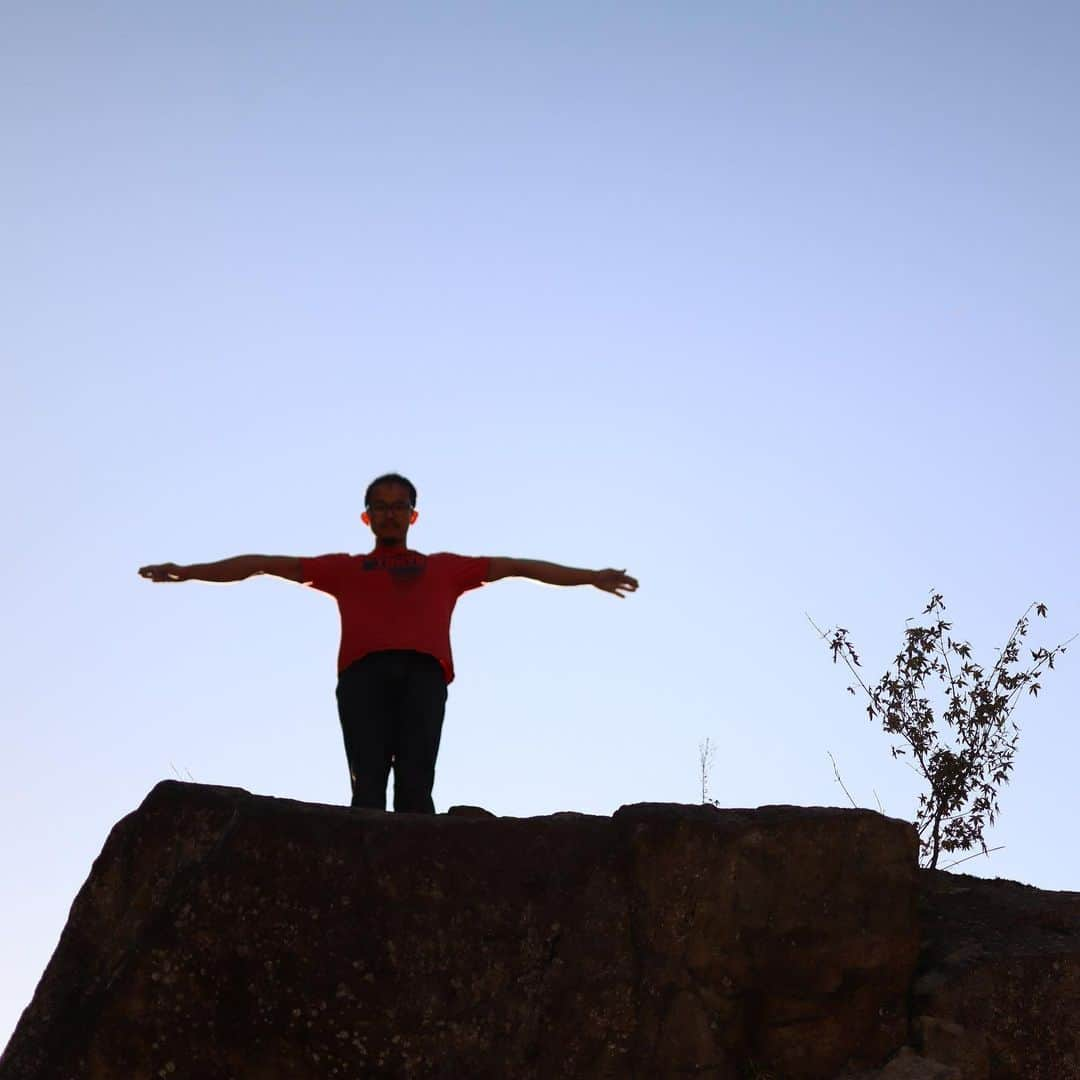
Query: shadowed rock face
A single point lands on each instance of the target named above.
(226, 935)
(998, 993)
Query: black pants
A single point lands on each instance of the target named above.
(391, 706)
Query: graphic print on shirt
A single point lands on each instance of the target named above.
(402, 566)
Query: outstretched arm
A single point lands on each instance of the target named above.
(237, 568)
(615, 582)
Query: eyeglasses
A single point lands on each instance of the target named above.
(383, 508)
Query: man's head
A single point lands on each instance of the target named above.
(390, 503)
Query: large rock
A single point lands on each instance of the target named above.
(998, 995)
(225, 935)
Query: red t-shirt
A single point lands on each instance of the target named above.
(397, 600)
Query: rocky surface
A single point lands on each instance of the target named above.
(997, 991)
(225, 935)
(998, 994)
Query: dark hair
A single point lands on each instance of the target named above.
(391, 478)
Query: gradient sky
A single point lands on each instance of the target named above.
(773, 305)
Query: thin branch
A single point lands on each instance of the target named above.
(996, 671)
(987, 851)
(948, 667)
(1018, 690)
(1014, 695)
(825, 636)
(836, 771)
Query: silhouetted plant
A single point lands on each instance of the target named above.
(968, 756)
(706, 752)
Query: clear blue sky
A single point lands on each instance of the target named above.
(773, 305)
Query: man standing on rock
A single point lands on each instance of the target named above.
(394, 663)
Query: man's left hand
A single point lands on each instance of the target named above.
(615, 582)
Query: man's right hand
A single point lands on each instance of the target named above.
(163, 572)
